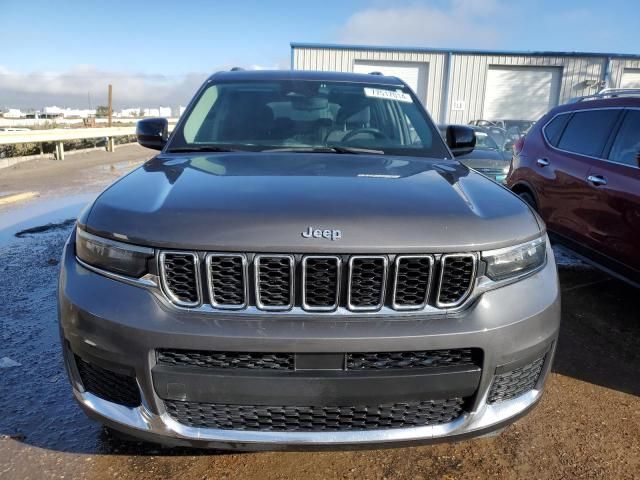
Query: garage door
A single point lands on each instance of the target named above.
(521, 93)
(413, 73)
(630, 78)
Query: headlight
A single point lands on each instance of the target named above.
(117, 257)
(516, 260)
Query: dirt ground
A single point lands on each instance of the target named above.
(586, 426)
(77, 173)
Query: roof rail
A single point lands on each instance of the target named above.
(376, 73)
(609, 93)
(237, 69)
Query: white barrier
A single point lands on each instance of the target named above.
(60, 135)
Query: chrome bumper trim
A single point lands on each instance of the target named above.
(140, 418)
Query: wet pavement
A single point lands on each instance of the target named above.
(587, 424)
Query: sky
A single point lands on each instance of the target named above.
(158, 52)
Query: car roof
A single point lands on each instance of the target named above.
(588, 104)
(266, 75)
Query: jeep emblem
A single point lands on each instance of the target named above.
(311, 232)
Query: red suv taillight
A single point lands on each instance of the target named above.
(518, 146)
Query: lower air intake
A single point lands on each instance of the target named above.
(516, 382)
(315, 418)
(111, 386)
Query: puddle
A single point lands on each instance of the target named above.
(42, 215)
(120, 167)
(565, 258)
(49, 227)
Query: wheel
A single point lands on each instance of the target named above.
(528, 198)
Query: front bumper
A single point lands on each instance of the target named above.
(120, 326)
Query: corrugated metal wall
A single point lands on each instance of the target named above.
(580, 74)
(618, 66)
(469, 74)
(343, 60)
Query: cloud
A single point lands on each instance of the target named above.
(74, 87)
(465, 23)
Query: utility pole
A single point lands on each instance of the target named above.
(111, 144)
(110, 104)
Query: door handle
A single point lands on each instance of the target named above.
(543, 162)
(597, 180)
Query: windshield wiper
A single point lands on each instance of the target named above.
(327, 149)
(202, 148)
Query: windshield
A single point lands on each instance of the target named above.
(485, 142)
(268, 115)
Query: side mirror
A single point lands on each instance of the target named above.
(152, 132)
(461, 139)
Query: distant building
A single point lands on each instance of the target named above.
(13, 113)
(129, 112)
(151, 112)
(458, 86)
(57, 112)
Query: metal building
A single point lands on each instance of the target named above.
(458, 86)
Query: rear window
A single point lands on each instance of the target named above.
(587, 132)
(626, 148)
(555, 127)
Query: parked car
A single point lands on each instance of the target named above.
(505, 132)
(579, 167)
(487, 157)
(521, 126)
(305, 263)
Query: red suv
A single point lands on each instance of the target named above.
(579, 167)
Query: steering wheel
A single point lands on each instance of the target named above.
(372, 131)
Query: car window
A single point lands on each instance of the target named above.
(555, 127)
(264, 115)
(587, 132)
(626, 148)
(485, 142)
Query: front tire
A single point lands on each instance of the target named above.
(528, 199)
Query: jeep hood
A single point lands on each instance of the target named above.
(262, 202)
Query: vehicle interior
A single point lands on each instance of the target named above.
(310, 114)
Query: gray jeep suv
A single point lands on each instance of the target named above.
(305, 264)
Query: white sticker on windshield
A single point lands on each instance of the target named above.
(387, 94)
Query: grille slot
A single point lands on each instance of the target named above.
(367, 282)
(110, 386)
(227, 277)
(274, 281)
(412, 281)
(320, 283)
(315, 418)
(180, 276)
(418, 359)
(233, 360)
(516, 382)
(457, 272)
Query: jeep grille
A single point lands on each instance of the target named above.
(318, 283)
